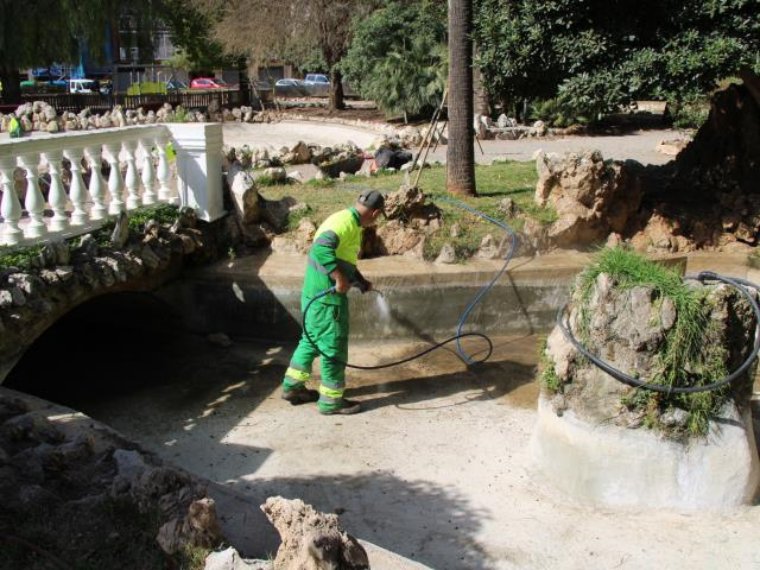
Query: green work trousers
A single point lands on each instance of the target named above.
(327, 324)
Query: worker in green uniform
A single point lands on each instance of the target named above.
(331, 263)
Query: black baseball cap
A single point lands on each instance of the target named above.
(372, 199)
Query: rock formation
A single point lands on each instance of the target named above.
(73, 490)
(602, 440)
(312, 540)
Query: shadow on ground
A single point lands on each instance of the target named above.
(416, 514)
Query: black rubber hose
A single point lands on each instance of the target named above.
(436, 346)
(739, 284)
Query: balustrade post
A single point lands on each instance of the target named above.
(97, 183)
(77, 191)
(35, 201)
(199, 164)
(164, 191)
(131, 179)
(10, 207)
(115, 181)
(57, 194)
(148, 176)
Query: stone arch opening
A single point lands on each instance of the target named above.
(112, 344)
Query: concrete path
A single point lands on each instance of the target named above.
(437, 468)
(288, 133)
(639, 145)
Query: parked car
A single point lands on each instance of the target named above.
(83, 86)
(210, 83)
(290, 88)
(62, 81)
(316, 79)
(106, 87)
(175, 85)
(317, 84)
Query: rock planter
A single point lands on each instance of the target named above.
(605, 443)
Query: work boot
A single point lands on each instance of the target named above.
(344, 407)
(300, 396)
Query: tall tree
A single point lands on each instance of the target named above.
(595, 55)
(398, 57)
(460, 152)
(264, 30)
(42, 32)
(191, 32)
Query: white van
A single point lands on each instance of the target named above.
(82, 86)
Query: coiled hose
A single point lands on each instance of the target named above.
(740, 285)
(462, 319)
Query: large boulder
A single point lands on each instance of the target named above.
(592, 197)
(604, 442)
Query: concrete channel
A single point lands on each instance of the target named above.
(437, 468)
(260, 295)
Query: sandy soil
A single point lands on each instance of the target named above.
(437, 468)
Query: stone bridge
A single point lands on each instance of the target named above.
(59, 249)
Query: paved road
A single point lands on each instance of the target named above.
(639, 145)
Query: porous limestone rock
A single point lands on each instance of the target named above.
(312, 540)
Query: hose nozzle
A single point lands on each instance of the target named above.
(328, 291)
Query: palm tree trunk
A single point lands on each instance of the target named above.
(460, 153)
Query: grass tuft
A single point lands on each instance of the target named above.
(687, 358)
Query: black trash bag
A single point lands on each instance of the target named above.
(387, 158)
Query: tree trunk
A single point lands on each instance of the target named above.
(482, 102)
(460, 153)
(11, 84)
(336, 91)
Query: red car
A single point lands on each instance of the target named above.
(210, 83)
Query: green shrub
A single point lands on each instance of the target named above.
(691, 115)
(555, 113)
(162, 213)
(20, 257)
(147, 88)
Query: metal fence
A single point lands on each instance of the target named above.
(97, 102)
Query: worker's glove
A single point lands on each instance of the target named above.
(363, 285)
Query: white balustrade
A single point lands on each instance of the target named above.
(115, 180)
(56, 194)
(10, 207)
(148, 175)
(97, 187)
(35, 201)
(77, 191)
(164, 173)
(131, 179)
(82, 206)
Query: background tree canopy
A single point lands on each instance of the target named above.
(398, 57)
(191, 32)
(42, 32)
(595, 55)
(265, 30)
